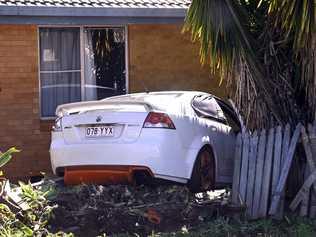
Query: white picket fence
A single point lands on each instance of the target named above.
(262, 163)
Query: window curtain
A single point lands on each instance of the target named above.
(59, 68)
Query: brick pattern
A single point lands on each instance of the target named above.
(162, 58)
(100, 3)
(20, 125)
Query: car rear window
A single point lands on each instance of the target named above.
(206, 105)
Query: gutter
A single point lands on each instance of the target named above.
(92, 12)
(43, 15)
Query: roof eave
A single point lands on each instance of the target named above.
(38, 11)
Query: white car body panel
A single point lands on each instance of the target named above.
(169, 153)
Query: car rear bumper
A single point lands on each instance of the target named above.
(164, 156)
(103, 174)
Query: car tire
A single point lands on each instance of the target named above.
(203, 173)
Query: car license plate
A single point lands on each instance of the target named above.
(100, 131)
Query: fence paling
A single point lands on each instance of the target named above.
(237, 163)
(259, 173)
(309, 168)
(312, 136)
(305, 201)
(251, 172)
(309, 152)
(244, 169)
(285, 148)
(263, 206)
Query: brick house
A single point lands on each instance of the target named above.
(60, 51)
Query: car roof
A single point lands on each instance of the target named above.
(170, 101)
(156, 93)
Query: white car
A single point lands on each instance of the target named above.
(182, 136)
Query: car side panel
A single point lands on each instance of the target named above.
(195, 132)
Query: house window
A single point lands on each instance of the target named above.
(80, 64)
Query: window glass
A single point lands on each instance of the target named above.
(206, 105)
(59, 68)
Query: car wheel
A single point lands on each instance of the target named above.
(203, 174)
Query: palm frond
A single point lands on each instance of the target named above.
(222, 28)
(216, 24)
(297, 19)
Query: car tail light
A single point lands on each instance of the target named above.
(158, 120)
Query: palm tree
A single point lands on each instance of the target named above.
(264, 50)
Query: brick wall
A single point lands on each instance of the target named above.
(20, 125)
(161, 58)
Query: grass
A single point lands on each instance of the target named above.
(225, 227)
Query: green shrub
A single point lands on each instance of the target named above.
(6, 157)
(29, 222)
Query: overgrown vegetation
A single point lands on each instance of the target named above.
(30, 222)
(32, 219)
(101, 210)
(265, 51)
(122, 210)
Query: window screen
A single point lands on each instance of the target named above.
(60, 76)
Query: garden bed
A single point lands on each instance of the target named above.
(134, 209)
(122, 210)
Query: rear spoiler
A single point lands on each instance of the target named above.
(71, 108)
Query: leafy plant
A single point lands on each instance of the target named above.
(6, 157)
(37, 215)
(30, 222)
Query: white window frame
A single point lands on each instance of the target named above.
(82, 62)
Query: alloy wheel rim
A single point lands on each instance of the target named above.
(206, 167)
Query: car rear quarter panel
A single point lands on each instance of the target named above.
(195, 133)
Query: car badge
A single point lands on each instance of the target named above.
(99, 118)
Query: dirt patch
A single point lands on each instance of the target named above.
(89, 210)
